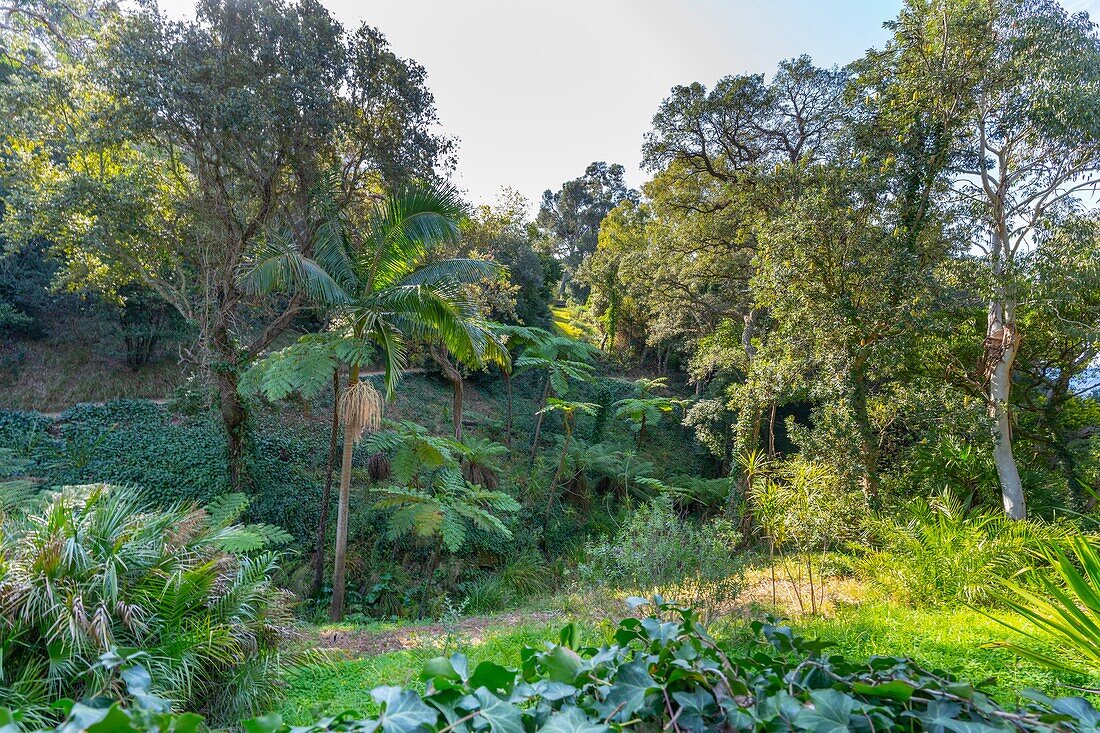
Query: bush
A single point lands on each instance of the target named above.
(940, 552)
(98, 571)
(657, 550)
(664, 672)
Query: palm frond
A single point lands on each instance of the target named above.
(276, 264)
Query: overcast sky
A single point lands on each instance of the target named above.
(534, 91)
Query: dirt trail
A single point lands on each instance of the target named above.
(55, 414)
(361, 642)
(753, 602)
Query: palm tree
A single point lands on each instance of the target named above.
(398, 294)
(378, 275)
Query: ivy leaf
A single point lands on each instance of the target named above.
(830, 713)
(503, 717)
(939, 716)
(572, 720)
(493, 677)
(694, 706)
(562, 664)
(402, 710)
(628, 691)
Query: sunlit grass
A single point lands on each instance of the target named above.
(346, 684)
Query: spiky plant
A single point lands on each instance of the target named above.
(98, 569)
(1063, 603)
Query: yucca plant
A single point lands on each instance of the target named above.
(98, 569)
(1063, 604)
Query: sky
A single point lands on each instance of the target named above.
(535, 91)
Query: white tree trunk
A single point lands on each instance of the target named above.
(1002, 345)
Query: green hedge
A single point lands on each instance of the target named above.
(172, 457)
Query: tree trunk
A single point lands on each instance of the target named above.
(868, 441)
(232, 408)
(455, 378)
(538, 420)
(1002, 343)
(508, 417)
(557, 471)
(326, 493)
(336, 611)
(771, 432)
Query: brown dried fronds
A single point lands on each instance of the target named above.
(361, 408)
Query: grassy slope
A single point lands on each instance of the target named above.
(956, 639)
(346, 684)
(77, 362)
(946, 639)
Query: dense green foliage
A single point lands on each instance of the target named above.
(661, 670)
(99, 574)
(841, 348)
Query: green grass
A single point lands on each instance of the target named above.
(78, 362)
(951, 639)
(346, 684)
(942, 639)
(574, 322)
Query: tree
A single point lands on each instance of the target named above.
(646, 408)
(396, 293)
(429, 492)
(563, 359)
(1028, 142)
(143, 166)
(568, 410)
(573, 213)
(504, 234)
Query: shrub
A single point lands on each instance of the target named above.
(661, 673)
(98, 570)
(1064, 605)
(941, 552)
(657, 550)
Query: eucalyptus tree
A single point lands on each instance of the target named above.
(573, 213)
(141, 165)
(1018, 83)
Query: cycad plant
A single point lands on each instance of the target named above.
(941, 551)
(1063, 604)
(99, 570)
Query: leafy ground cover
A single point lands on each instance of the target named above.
(959, 640)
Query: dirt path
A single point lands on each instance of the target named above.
(361, 642)
(55, 414)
